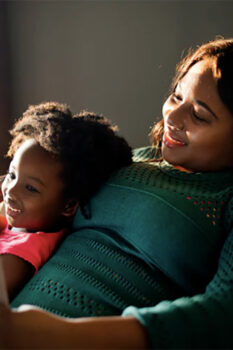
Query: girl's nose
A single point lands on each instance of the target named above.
(11, 190)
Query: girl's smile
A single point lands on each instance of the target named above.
(33, 189)
(11, 209)
(198, 127)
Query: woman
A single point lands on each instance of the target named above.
(194, 140)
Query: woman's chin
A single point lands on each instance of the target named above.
(169, 157)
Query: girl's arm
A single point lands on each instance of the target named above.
(32, 328)
(16, 270)
(17, 273)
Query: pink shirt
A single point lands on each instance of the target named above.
(36, 248)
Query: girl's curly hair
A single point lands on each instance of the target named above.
(220, 52)
(86, 144)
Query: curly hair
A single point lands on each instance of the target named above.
(86, 145)
(220, 52)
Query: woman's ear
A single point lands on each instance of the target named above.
(70, 207)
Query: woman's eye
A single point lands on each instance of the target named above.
(31, 188)
(198, 118)
(176, 97)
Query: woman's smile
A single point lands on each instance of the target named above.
(171, 140)
(198, 127)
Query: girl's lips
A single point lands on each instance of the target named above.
(13, 212)
(172, 141)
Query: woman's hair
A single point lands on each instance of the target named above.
(86, 144)
(220, 52)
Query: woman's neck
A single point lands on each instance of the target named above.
(182, 169)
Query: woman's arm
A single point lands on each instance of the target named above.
(35, 329)
(203, 321)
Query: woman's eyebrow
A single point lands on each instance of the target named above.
(203, 104)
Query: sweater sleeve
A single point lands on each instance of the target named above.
(201, 321)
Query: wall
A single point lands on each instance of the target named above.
(5, 89)
(113, 57)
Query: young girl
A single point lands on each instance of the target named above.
(58, 162)
(189, 173)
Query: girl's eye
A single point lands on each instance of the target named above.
(11, 175)
(31, 188)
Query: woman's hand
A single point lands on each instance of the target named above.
(5, 333)
(32, 328)
(27, 327)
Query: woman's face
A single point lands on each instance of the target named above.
(198, 127)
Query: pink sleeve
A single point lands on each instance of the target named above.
(35, 248)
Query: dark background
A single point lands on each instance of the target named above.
(111, 57)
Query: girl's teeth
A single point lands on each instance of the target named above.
(15, 210)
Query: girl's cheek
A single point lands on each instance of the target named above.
(3, 188)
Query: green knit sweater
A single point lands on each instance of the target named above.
(202, 321)
(155, 234)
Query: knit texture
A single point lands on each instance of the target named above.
(154, 233)
(86, 278)
(204, 321)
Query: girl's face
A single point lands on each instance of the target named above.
(198, 127)
(33, 189)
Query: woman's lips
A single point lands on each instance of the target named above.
(172, 141)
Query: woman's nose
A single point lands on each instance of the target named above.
(176, 119)
(175, 116)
